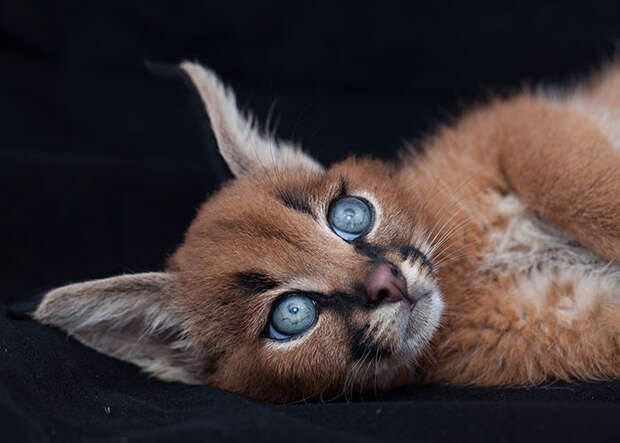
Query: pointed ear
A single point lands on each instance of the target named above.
(244, 148)
(130, 317)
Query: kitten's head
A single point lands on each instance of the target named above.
(292, 282)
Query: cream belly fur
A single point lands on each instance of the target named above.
(539, 255)
(543, 304)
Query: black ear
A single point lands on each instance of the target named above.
(130, 317)
(244, 148)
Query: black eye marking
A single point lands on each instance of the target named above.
(273, 233)
(362, 347)
(342, 192)
(342, 302)
(361, 344)
(374, 252)
(254, 283)
(407, 252)
(297, 200)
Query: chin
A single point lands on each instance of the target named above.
(423, 320)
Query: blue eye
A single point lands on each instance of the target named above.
(349, 217)
(292, 315)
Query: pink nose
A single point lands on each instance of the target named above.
(386, 283)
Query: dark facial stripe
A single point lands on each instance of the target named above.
(341, 302)
(342, 192)
(254, 283)
(297, 200)
(273, 233)
(407, 252)
(374, 252)
(361, 347)
(361, 344)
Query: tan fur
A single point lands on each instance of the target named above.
(517, 207)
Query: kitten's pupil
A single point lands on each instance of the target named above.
(293, 309)
(349, 217)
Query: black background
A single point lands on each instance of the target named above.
(104, 160)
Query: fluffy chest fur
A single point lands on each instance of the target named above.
(536, 305)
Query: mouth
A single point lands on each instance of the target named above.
(411, 293)
(419, 292)
(410, 298)
(413, 297)
(404, 330)
(408, 311)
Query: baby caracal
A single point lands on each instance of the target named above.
(491, 256)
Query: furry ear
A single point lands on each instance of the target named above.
(242, 146)
(130, 317)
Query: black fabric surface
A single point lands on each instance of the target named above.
(105, 155)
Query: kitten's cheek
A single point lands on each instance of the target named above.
(326, 342)
(424, 321)
(438, 305)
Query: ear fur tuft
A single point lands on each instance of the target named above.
(129, 317)
(244, 148)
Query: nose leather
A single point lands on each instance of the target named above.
(387, 284)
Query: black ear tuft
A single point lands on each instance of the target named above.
(23, 309)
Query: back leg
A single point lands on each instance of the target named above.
(559, 160)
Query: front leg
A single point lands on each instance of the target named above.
(564, 168)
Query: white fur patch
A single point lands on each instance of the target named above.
(539, 255)
(589, 290)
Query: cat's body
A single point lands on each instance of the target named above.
(526, 302)
(492, 258)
